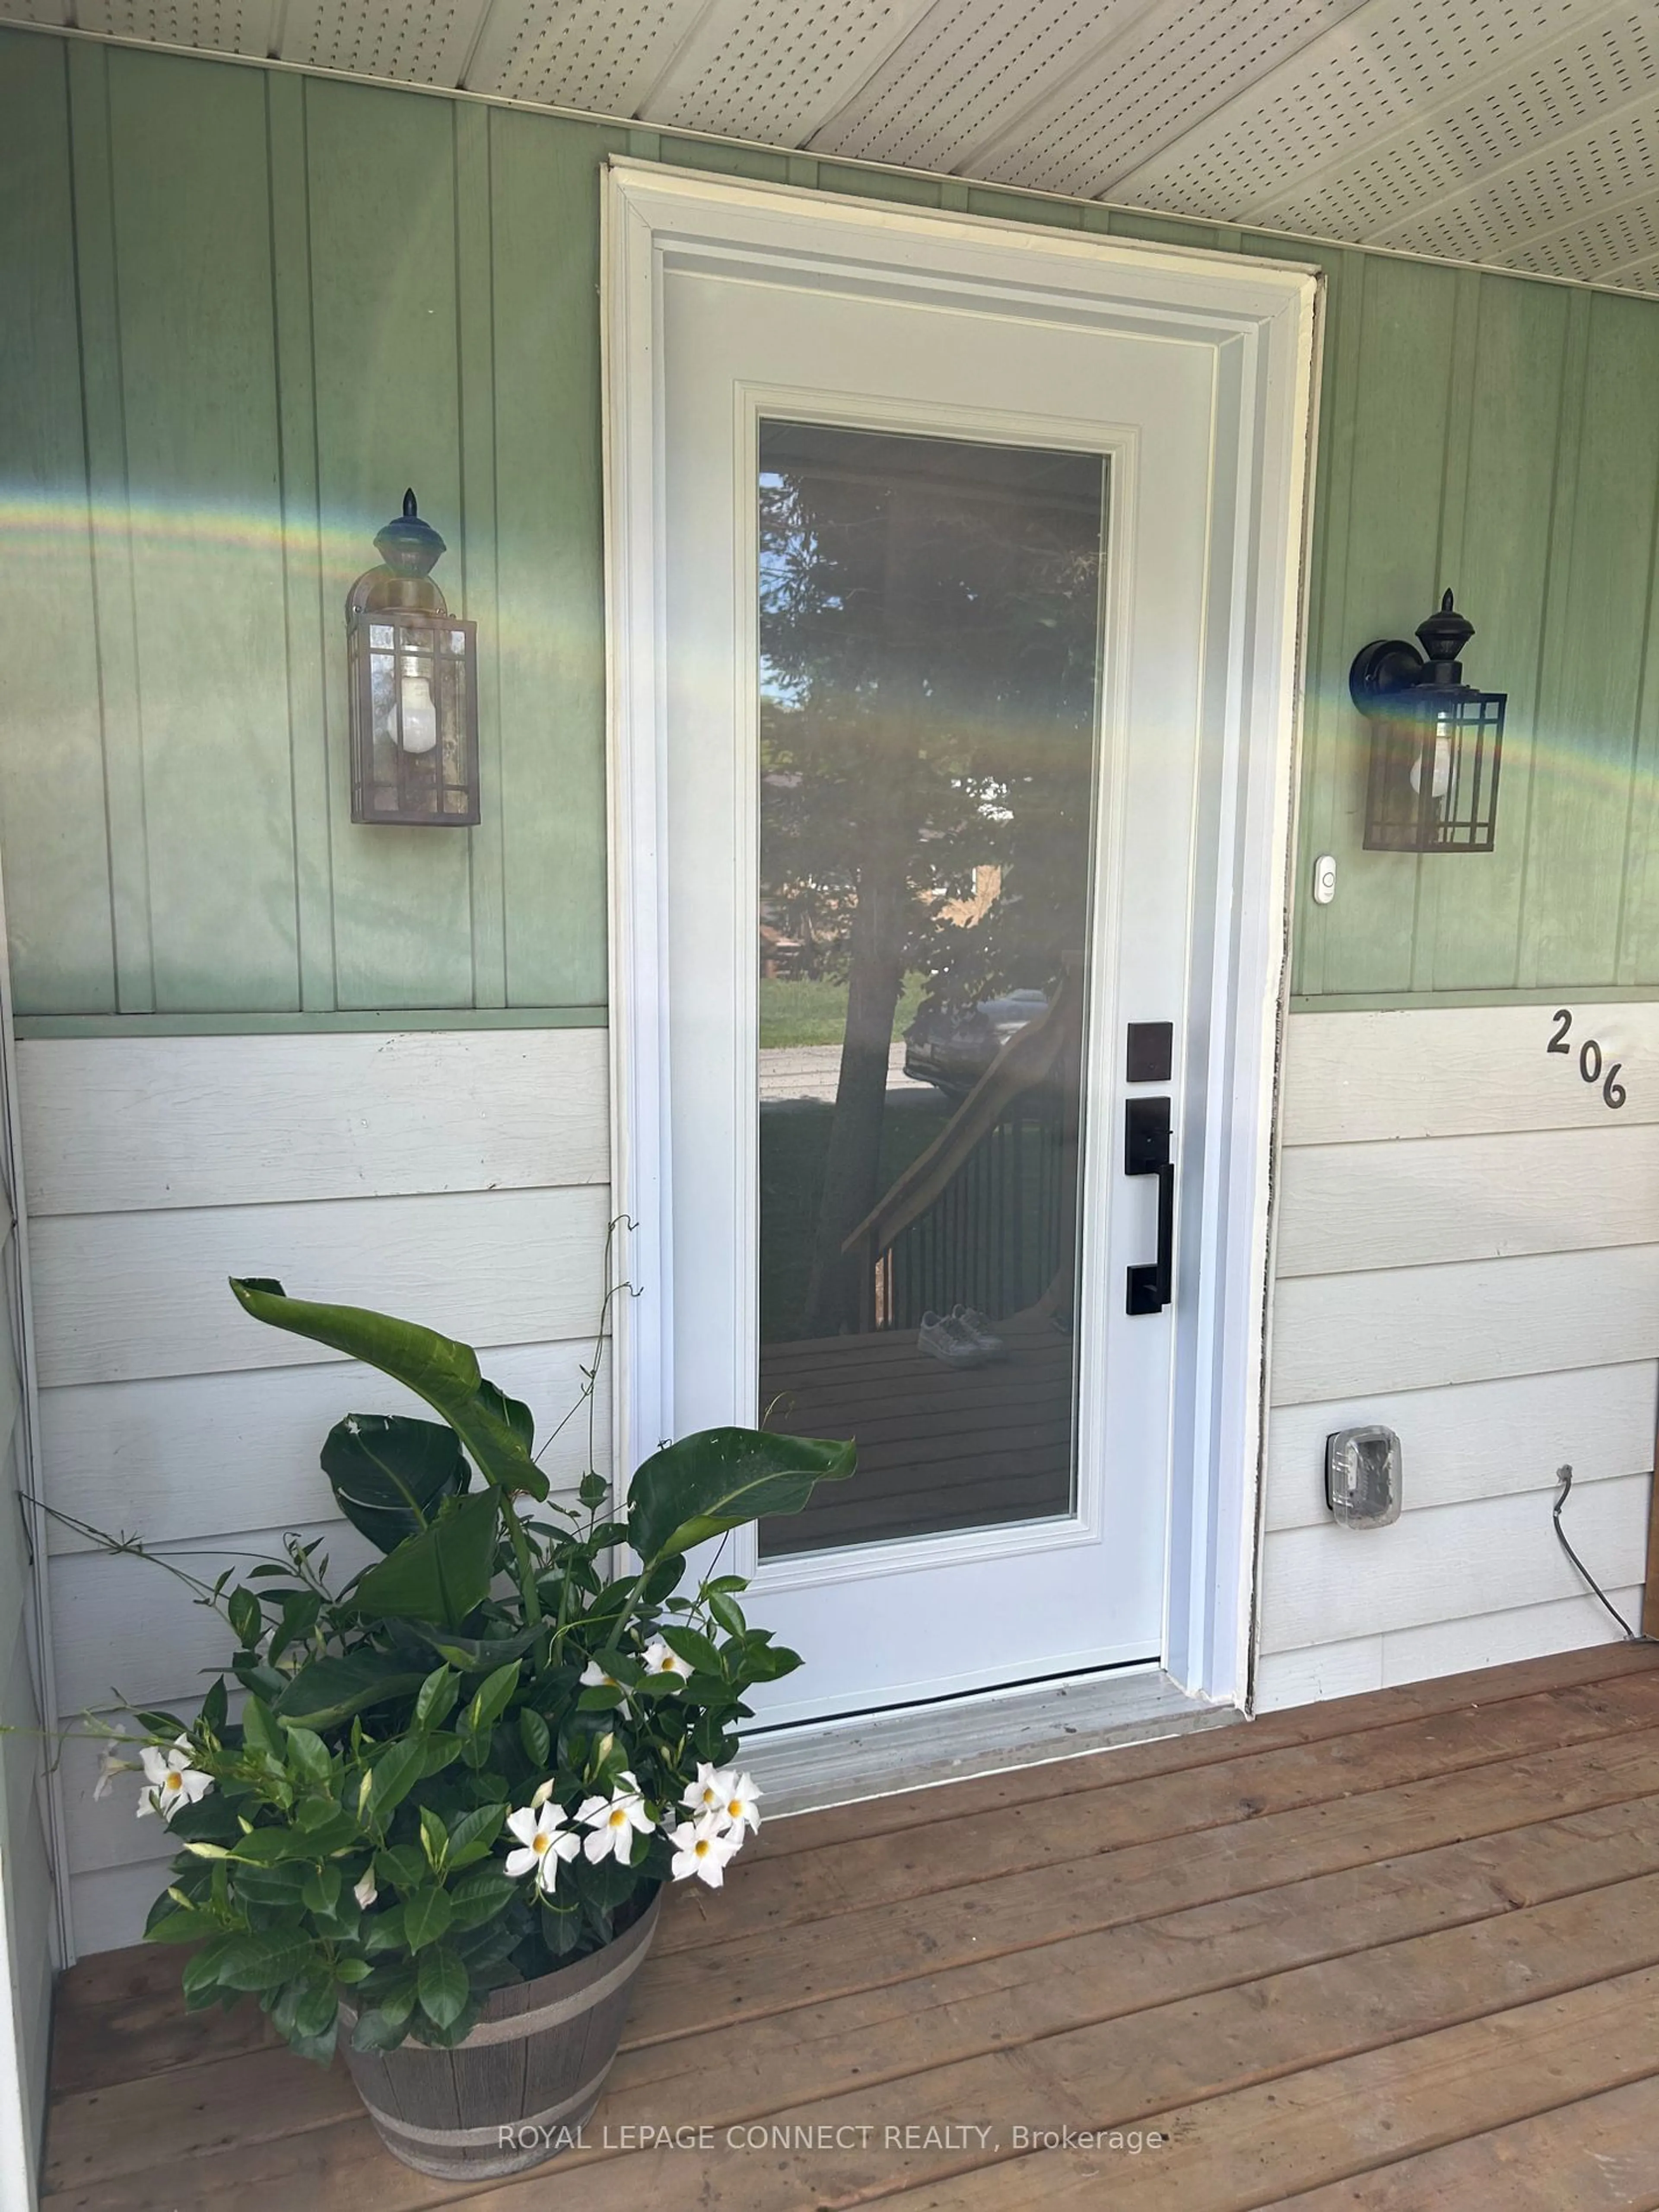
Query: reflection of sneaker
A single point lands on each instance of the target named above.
(978, 1326)
(943, 1337)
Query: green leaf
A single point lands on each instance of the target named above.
(263, 1962)
(377, 2031)
(471, 1906)
(390, 1473)
(260, 1732)
(473, 1833)
(437, 1698)
(201, 1971)
(301, 1609)
(403, 1866)
(252, 1674)
(513, 1412)
(321, 1894)
(162, 1724)
(329, 1691)
(396, 1773)
(308, 1754)
(490, 1699)
(313, 2013)
(426, 1918)
(281, 1885)
(444, 1985)
(533, 1736)
(436, 1368)
(352, 1971)
(435, 1838)
(562, 1927)
(396, 1997)
(442, 1573)
(718, 1479)
(727, 1612)
(384, 1932)
(270, 1846)
(695, 1649)
(456, 2031)
(248, 1619)
(214, 1707)
(441, 1749)
(472, 1655)
(183, 1925)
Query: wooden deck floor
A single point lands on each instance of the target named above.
(940, 1448)
(1400, 1951)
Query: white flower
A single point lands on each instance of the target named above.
(726, 1795)
(614, 1820)
(594, 1677)
(659, 1659)
(738, 1807)
(111, 1763)
(365, 1891)
(701, 1848)
(546, 1838)
(708, 1792)
(172, 1781)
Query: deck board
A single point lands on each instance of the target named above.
(939, 1447)
(1386, 1953)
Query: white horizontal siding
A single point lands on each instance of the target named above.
(1327, 1585)
(128, 1633)
(1461, 1072)
(121, 1297)
(1466, 1252)
(161, 1450)
(109, 1909)
(1345, 1208)
(287, 1118)
(458, 1178)
(1446, 1647)
(1414, 1329)
(1473, 1440)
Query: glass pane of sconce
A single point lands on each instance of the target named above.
(414, 702)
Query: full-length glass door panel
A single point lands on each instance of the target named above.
(929, 639)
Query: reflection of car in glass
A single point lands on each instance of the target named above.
(952, 1047)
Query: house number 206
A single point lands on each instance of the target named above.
(1590, 1059)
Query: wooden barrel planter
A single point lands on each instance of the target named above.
(514, 2092)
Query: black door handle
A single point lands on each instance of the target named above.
(1148, 1150)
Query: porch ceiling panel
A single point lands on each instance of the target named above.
(1516, 133)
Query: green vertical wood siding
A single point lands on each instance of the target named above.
(245, 309)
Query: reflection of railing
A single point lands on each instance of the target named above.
(986, 1215)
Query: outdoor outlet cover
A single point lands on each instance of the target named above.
(1362, 1477)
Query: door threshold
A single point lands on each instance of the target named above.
(814, 1764)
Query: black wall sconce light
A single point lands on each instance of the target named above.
(1435, 742)
(413, 693)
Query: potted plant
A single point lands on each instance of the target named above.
(437, 1829)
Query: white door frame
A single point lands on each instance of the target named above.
(1261, 319)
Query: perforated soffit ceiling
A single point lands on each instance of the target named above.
(1518, 133)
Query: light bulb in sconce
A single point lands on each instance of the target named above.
(1441, 780)
(417, 718)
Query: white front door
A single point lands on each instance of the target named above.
(936, 683)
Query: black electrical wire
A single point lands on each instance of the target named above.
(1564, 1476)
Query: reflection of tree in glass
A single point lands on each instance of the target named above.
(928, 623)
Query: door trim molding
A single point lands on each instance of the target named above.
(1261, 319)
